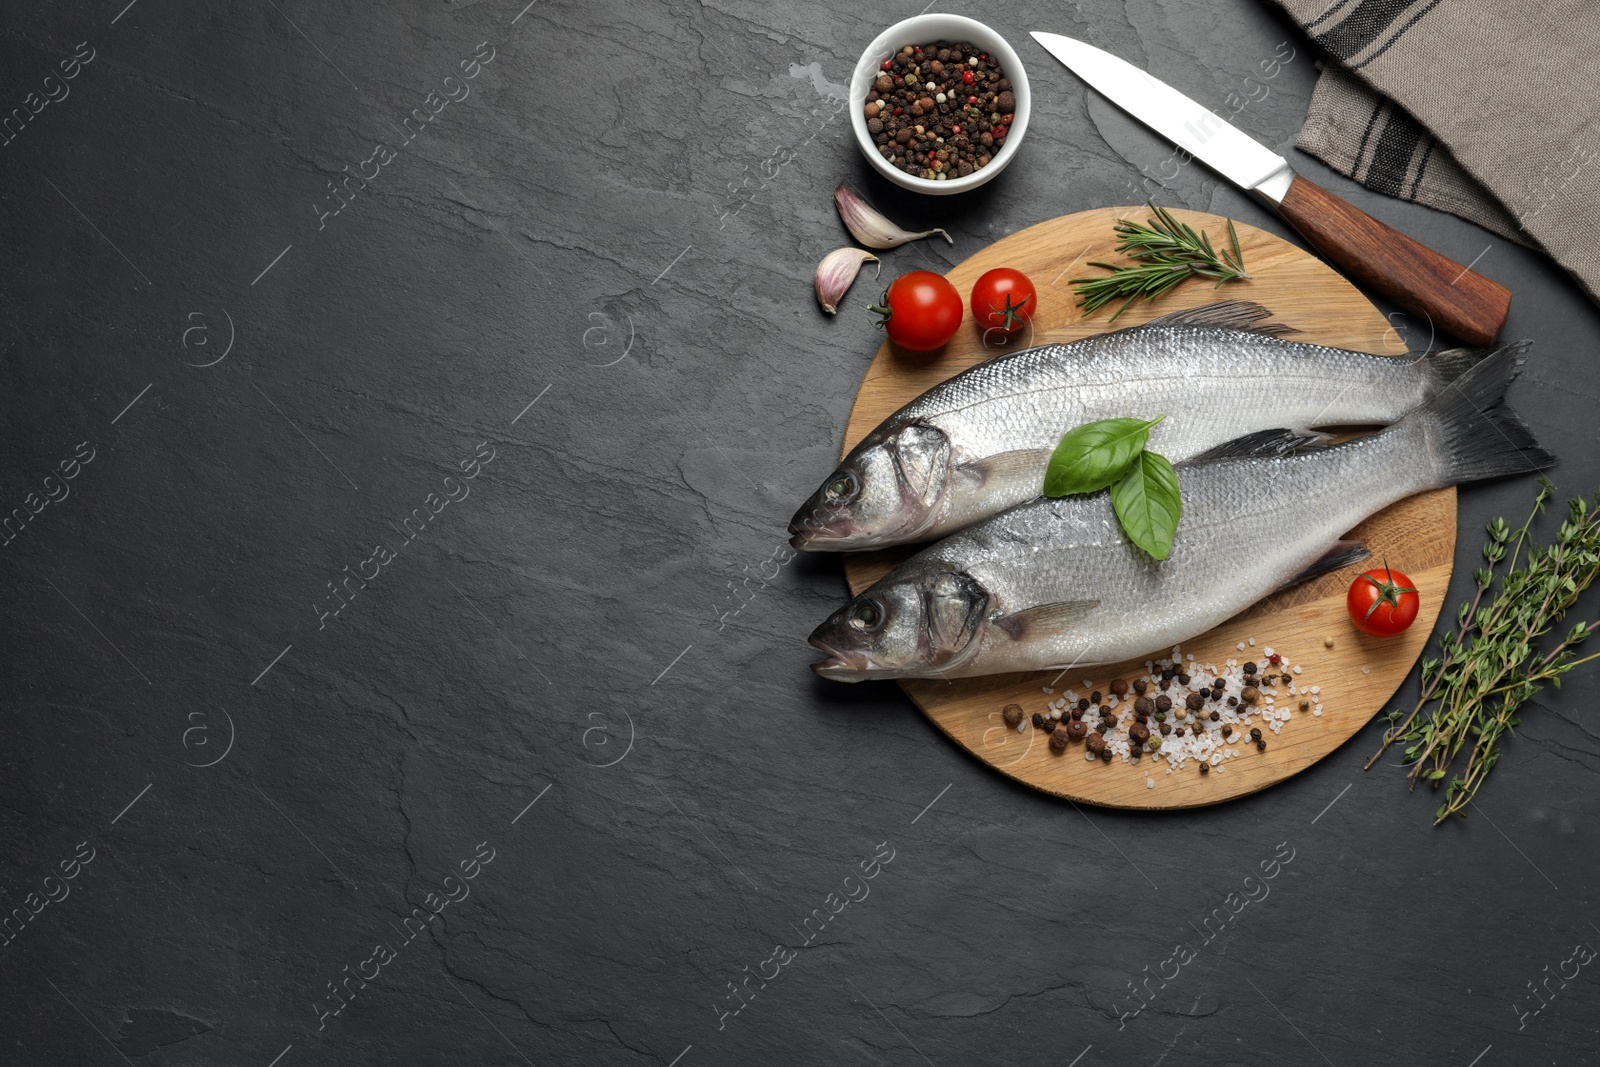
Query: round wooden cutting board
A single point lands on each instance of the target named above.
(1357, 675)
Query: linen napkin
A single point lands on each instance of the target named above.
(1488, 109)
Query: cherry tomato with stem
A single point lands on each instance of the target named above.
(1382, 602)
(1003, 299)
(921, 311)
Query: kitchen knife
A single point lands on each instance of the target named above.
(1456, 299)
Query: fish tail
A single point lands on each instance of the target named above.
(1449, 364)
(1472, 432)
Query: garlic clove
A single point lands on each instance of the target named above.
(837, 272)
(869, 226)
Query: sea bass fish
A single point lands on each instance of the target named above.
(980, 442)
(1055, 583)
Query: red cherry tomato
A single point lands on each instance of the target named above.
(920, 310)
(1382, 602)
(1003, 299)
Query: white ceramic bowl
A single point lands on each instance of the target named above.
(919, 30)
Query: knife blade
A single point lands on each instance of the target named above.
(1454, 298)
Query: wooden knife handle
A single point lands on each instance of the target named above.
(1457, 300)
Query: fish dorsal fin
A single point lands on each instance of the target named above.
(1228, 314)
(1342, 554)
(1023, 462)
(1045, 619)
(1262, 444)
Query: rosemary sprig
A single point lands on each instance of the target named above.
(1490, 665)
(1165, 252)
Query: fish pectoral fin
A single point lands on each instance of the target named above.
(1342, 554)
(1228, 314)
(1263, 443)
(1045, 619)
(1002, 465)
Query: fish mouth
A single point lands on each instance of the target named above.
(811, 534)
(840, 666)
(808, 532)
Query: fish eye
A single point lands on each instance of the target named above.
(867, 616)
(842, 487)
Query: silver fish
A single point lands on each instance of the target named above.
(1055, 583)
(980, 442)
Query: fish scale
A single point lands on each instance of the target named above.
(1004, 417)
(1248, 525)
(1209, 382)
(1054, 583)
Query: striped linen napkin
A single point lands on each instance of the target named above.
(1488, 109)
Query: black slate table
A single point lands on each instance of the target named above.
(408, 671)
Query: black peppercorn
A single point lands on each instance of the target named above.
(1083, 703)
(1105, 755)
(1038, 721)
(1261, 745)
(1255, 733)
(1233, 702)
(1095, 697)
(1166, 683)
(1227, 730)
(1205, 768)
(1250, 668)
(1077, 713)
(1216, 715)
(1183, 679)
(1163, 703)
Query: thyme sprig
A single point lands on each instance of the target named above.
(1165, 252)
(1490, 665)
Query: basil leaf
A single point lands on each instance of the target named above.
(1095, 454)
(1147, 503)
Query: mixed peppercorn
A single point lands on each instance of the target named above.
(1154, 715)
(940, 110)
